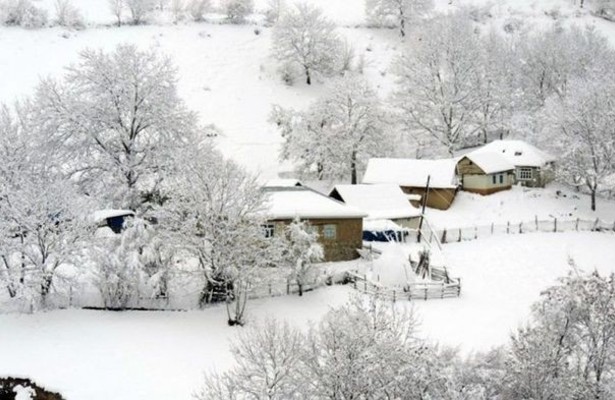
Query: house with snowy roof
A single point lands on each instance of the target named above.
(381, 202)
(485, 173)
(339, 226)
(533, 167)
(411, 176)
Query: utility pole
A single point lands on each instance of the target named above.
(424, 201)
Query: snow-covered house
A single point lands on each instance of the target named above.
(485, 172)
(411, 176)
(380, 202)
(340, 227)
(533, 167)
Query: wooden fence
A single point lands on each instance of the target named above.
(413, 291)
(450, 235)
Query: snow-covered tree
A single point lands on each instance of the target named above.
(117, 7)
(569, 349)
(336, 136)
(268, 366)
(435, 92)
(398, 13)
(582, 131)
(274, 10)
(237, 10)
(41, 217)
(215, 208)
(68, 15)
(131, 265)
(302, 250)
(139, 9)
(22, 13)
(306, 39)
(198, 8)
(116, 118)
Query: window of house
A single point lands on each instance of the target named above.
(524, 174)
(329, 231)
(493, 179)
(268, 230)
(501, 178)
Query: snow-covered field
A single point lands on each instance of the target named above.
(161, 355)
(520, 204)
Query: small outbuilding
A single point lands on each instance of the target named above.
(339, 226)
(533, 167)
(111, 221)
(380, 202)
(411, 176)
(485, 173)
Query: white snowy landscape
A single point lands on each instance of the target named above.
(284, 199)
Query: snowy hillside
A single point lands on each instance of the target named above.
(226, 72)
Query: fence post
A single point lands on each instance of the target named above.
(459, 240)
(365, 283)
(576, 225)
(492, 228)
(444, 236)
(520, 227)
(288, 286)
(425, 292)
(536, 221)
(507, 227)
(431, 237)
(595, 227)
(269, 289)
(554, 224)
(475, 232)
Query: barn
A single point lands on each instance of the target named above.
(485, 173)
(411, 176)
(533, 167)
(339, 226)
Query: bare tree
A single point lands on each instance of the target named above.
(117, 7)
(237, 10)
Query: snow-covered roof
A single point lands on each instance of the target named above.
(379, 201)
(102, 215)
(412, 172)
(305, 203)
(490, 162)
(281, 182)
(376, 225)
(517, 152)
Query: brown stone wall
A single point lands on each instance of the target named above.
(487, 191)
(438, 198)
(349, 237)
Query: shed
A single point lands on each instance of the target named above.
(380, 201)
(533, 167)
(111, 219)
(411, 176)
(485, 173)
(339, 226)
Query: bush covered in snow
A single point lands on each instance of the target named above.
(22, 13)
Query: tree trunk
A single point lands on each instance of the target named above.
(402, 23)
(593, 199)
(300, 286)
(308, 77)
(353, 168)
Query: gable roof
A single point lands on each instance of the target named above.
(379, 201)
(490, 162)
(283, 182)
(304, 203)
(412, 172)
(518, 153)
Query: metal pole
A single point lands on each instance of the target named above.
(423, 207)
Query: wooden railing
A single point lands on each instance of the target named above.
(413, 291)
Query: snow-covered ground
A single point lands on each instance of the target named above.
(161, 355)
(520, 204)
